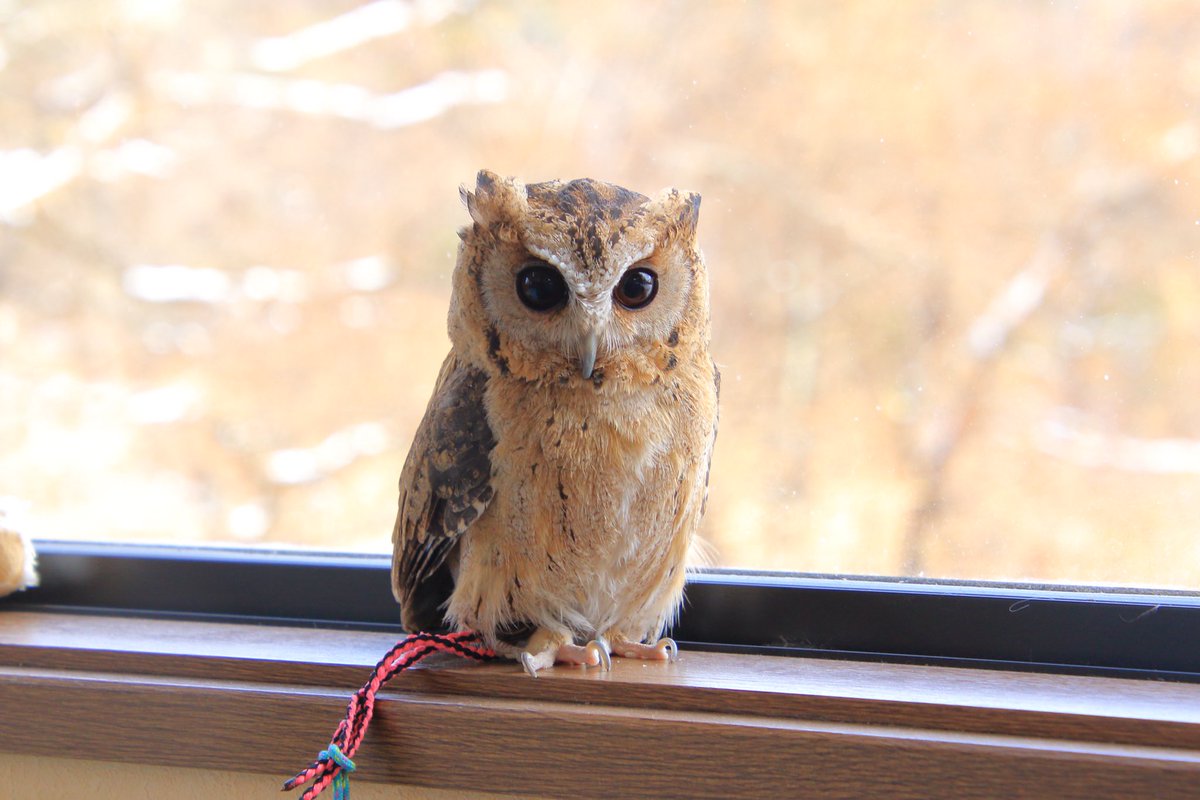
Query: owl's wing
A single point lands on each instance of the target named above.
(444, 487)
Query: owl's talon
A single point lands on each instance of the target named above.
(527, 663)
(667, 646)
(664, 649)
(601, 649)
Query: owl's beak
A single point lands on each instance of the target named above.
(587, 354)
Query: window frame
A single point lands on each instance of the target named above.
(261, 697)
(1084, 630)
(247, 658)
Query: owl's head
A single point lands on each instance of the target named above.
(579, 281)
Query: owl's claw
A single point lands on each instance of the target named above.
(527, 663)
(603, 652)
(667, 645)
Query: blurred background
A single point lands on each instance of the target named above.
(954, 247)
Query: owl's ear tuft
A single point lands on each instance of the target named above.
(680, 210)
(689, 214)
(468, 199)
(495, 199)
(485, 180)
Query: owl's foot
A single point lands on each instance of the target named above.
(664, 649)
(593, 654)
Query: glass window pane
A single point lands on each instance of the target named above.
(953, 248)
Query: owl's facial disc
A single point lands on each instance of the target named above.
(581, 275)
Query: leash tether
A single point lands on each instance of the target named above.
(334, 764)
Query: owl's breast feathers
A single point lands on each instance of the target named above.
(539, 502)
(599, 491)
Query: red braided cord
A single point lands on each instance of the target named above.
(351, 730)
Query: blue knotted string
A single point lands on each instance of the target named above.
(341, 781)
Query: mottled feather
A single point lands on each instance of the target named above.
(444, 487)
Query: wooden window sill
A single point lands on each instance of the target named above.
(265, 698)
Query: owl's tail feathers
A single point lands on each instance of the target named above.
(334, 764)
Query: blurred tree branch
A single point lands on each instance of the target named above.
(930, 444)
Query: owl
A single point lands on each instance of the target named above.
(557, 479)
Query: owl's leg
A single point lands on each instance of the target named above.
(547, 648)
(664, 649)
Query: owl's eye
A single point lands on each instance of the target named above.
(541, 287)
(636, 288)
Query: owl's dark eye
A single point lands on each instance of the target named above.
(541, 287)
(636, 288)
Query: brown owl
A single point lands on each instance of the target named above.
(559, 475)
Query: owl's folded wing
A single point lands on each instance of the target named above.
(444, 487)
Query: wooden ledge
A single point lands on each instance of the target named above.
(266, 698)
